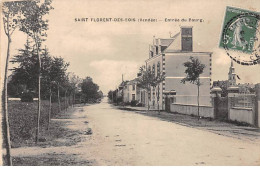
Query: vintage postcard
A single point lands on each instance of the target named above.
(130, 83)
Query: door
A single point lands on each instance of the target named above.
(221, 107)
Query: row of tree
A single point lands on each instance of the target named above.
(28, 17)
(36, 72)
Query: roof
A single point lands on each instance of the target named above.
(166, 42)
(132, 81)
(123, 83)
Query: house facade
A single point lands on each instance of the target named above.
(168, 56)
(131, 91)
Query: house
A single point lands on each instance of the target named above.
(131, 91)
(168, 55)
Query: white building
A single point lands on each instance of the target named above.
(131, 91)
(168, 56)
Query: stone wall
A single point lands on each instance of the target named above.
(242, 115)
(205, 111)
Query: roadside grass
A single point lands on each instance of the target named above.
(23, 121)
(23, 116)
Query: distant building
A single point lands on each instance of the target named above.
(131, 91)
(232, 82)
(168, 55)
(231, 75)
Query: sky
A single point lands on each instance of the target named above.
(105, 51)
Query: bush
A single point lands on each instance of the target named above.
(134, 103)
(127, 103)
(27, 97)
(139, 105)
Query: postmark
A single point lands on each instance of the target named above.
(240, 36)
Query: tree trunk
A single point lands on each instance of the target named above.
(73, 98)
(158, 101)
(39, 96)
(70, 103)
(73, 102)
(69, 100)
(59, 99)
(5, 121)
(198, 102)
(148, 105)
(49, 117)
(65, 102)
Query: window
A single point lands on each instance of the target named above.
(133, 96)
(156, 48)
(153, 68)
(186, 39)
(133, 86)
(151, 54)
(158, 68)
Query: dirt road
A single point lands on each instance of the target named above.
(119, 137)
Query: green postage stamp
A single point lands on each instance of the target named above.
(240, 33)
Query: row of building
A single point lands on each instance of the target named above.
(167, 55)
(226, 99)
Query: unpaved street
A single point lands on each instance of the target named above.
(127, 138)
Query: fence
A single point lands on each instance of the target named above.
(192, 100)
(242, 108)
(244, 101)
(205, 111)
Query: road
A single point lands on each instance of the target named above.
(127, 138)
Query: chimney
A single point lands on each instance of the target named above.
(186, 39)
(159, 46)
(151, 54)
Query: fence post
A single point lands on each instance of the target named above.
(215, 93)
(232, 93)
(257, 105)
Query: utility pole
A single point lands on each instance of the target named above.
(112, 97)
(123, 89)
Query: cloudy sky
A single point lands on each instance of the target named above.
(105, 51)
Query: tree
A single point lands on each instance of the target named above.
(34, 25)
(74, 83)
(155, 82)
(89, 89)
(46, 73)
(145, 81)
(194, 68)
(112, 95)
(58, 74)
(53, 76)
(11, 19)
(148, 79)
(24, 72)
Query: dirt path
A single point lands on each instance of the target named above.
(126, 138)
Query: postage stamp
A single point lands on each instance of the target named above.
(240, 33)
